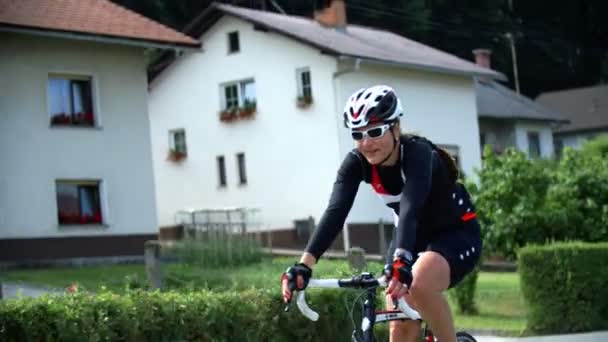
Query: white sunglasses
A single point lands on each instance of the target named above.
(372, 133)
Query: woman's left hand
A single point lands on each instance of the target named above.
(400, 275)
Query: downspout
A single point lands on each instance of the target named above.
(339, 106)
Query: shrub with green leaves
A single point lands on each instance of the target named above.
(510, 201)
(521, 201)
(464, 293)
(564, 286)
(578, 200)
(252, 315)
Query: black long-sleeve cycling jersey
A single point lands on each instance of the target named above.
(420, 189)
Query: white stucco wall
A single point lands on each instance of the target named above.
(576, 140)
(439, 107)
(291, 154)
(34, 154)
(544, 132)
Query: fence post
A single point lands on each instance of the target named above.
(356, 259)
(382, 237)
(153, 265)
(346, 237)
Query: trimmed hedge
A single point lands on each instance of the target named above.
(565, 286)
(253, 315)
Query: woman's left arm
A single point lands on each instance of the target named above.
(417, 165)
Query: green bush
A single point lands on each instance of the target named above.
(578, 199)
(252, 315)
(510, 200)
(464, 293)
(564, 286)
(521, 201)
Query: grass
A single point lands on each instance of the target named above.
(498, 297)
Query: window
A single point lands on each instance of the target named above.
(221, 166)
(242, 171)
(239, 94)
(78, 202)
(70, 100)
(454, 152)
(233, 42)
(304, 85)
(533, 145)
(177, 140)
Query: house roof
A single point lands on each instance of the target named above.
(86, 19)
(499, 102)
(355, 41)
(586, 108)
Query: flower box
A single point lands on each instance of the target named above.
(176, 155)
(304, 101)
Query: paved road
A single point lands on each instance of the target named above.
(10, 290)
(587, 337)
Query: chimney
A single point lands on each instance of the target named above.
(482, 58)
(332, 14)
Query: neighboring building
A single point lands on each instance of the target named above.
(587, 110)
(289, 78)
(508, 119)
(76, 174)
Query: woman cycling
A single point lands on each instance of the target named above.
(437, 237)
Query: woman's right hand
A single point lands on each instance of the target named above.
(296, 277)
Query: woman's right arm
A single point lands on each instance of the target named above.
(341, 201)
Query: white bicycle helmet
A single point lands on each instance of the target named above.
(370, 105)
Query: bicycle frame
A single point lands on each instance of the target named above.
(367, 282)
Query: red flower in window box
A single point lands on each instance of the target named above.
(176, 156)
(228, 115)
(61, 119)
(304, 101)
(96, 218)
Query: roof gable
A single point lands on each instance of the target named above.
(87, 18)
(355, 41)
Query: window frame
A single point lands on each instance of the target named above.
(94, 94)
(536, 135)
(240, 97)
(302, 87)
(221, 169)
(173, 146)
(101, 204)
(237, 41)
(241, 168)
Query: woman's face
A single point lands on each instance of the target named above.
(374, 147)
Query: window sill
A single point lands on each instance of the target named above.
(83, 226)
(75, 127)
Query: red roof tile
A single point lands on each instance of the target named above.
(91, 17)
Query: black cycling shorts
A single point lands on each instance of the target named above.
(460, 247)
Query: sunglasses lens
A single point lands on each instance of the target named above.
(375, 132)
(357, 135)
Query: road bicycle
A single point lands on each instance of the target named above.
(369, 284)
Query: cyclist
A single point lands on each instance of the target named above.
(436, 241)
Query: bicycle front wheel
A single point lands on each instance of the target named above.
(462, 336)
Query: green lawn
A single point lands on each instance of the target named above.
(500, 303)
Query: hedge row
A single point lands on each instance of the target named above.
(253, 315)
(565, 286)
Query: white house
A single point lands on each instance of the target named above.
(76, 177)
(299, 72)
(508, 119)
(587, 110)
